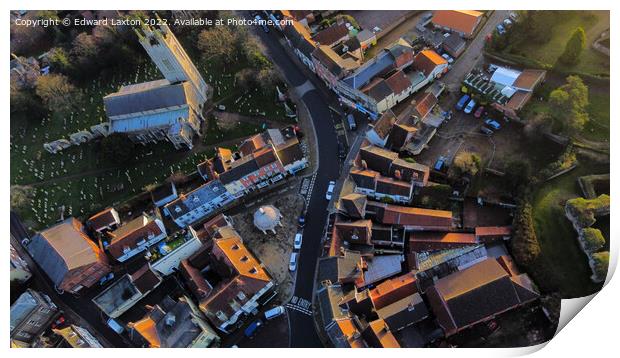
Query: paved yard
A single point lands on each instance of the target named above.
(273, 250)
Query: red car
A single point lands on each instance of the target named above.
(479, 112)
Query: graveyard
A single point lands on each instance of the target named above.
(78, 180)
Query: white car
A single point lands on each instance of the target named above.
(470, 107)
(447, 58)
(297, 243)
(330, 190)
(292, 264)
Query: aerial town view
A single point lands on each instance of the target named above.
(305, 178)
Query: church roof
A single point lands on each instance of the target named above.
(147, 96)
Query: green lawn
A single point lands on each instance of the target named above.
(563, 259)
(598, 128)
(255, 102)
(591, 62)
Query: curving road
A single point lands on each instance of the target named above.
(317, 100)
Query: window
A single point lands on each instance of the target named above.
(244, 259)
(241, 295)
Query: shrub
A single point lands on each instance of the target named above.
(524, 244)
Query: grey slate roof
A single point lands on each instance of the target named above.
(402, 313)
(146, 96)
(380, 91)
(48, 259)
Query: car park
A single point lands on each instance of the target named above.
(470, 107)
(292, 264)
(297, 241)
(330, 190)
(461, 103)
(274, 312)
(485, 130)
(492, 123)
(479, 112)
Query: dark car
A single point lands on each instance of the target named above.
(302, 220)
(461, 103)
(252, 328)
(342, 153)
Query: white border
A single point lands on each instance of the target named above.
(588, 334)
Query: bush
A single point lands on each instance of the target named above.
(574, 47)
(524, 244)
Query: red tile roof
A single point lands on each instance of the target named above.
(464, 21)
(493, 230)
(331, 35)
(427, 60)
(408, 216)
(425, 103)
(392, 290)
(398, 82)
(131, 233)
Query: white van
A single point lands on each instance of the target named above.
(274, 312)
(115, 326)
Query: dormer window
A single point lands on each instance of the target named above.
(253, 270)
(244, 259)
(235, 247)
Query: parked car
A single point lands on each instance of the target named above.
(342, 153)
(274, 312)
(500, 29)
(486, 130)
(447, 58)
(302, 220)
(330, 190)
(440, 162)
(461, 103)
(251, 329)
(507, 23)
(292, 264)
(297, 242)
(479, 112)
(492, 123)
(351, 122)
(470, 107)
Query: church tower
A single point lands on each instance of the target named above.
(171, 59)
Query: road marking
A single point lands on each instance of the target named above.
(304, 88)
(301, 305)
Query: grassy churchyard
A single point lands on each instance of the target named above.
(78, 181)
